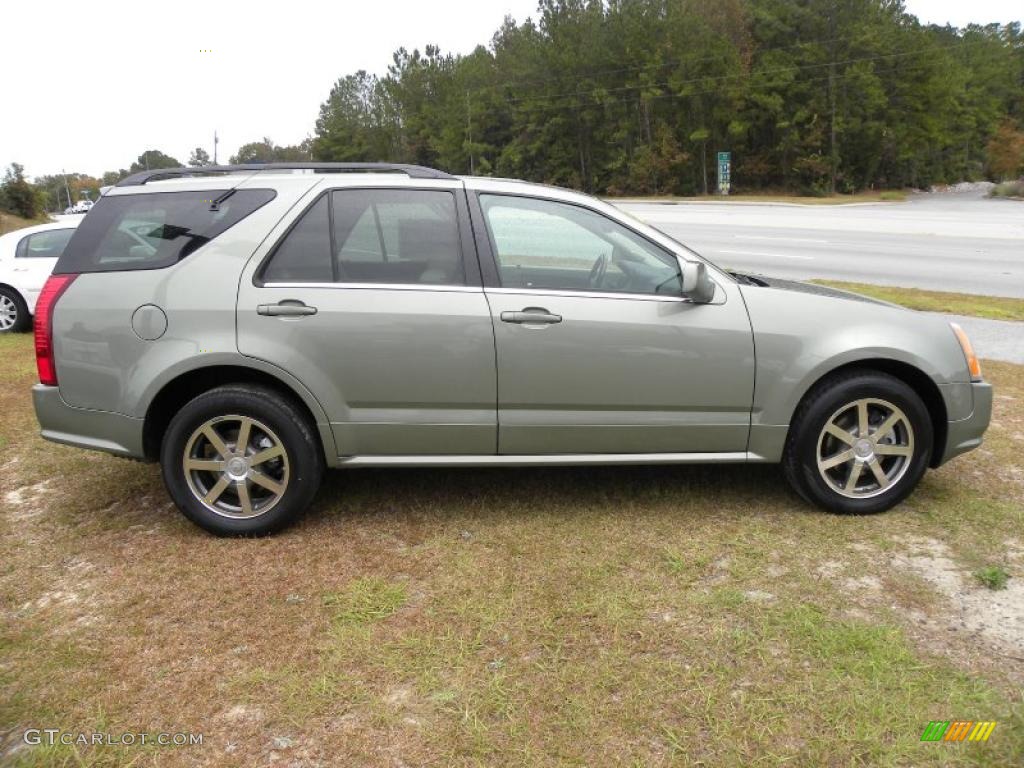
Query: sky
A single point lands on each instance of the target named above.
(104, 81)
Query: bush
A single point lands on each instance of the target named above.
(20, 197)
(892, 195)
(1008, 189)
(994, 577)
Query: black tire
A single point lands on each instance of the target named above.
(301, 465)
(800, 461)
(22, 319)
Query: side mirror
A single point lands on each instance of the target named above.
(697, 285)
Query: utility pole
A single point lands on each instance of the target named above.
(66, 188)
(833, 157)
(215, 140)
(469, 133)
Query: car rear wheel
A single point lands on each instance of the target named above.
(859, 443)
(241, 461)
(14, 316)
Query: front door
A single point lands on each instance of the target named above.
(372, 299)
(597, 350)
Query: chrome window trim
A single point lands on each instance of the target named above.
(382, 287)
(567, 293)
(478, 289)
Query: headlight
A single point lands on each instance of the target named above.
(965, 344)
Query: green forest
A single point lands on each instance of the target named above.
(637, 96)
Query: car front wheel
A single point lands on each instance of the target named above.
(859, 443)
(241, 461)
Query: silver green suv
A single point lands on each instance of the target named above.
(248, 326)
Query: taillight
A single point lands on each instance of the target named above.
(46, 365)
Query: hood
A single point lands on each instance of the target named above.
(761, 281)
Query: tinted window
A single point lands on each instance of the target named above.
(383, 236)
(558, 246)
(44, 245)
(397, 236)
(152, 231)
(304, 255)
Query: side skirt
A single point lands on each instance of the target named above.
(561, 459)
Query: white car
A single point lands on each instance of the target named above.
(27, 257)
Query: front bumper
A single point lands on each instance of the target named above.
(966, 434)
(96, 430)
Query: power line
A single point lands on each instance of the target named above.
(662, 65)
(751, 89)
(750, 74)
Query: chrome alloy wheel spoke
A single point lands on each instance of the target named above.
(865, 448)
(236, 466)
(8, 313)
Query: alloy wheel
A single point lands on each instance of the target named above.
(8, 313)
(236, 466)
(865, 448)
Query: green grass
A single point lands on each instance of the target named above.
(994, 577)
(364, 600)
(991, 307)
(892, 196)
(885, 196)
(651, 616)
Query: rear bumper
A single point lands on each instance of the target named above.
(966, 434)
(95, 430)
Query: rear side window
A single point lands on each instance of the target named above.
(153, 231)
(44, 245)
(304, 256)
(383, 236)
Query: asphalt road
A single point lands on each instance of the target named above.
(961, 242)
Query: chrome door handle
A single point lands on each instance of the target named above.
(531, 316)
(286, 308)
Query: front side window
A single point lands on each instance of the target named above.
(542, 244)
(49, 244)
(154, 230)
(378, 236)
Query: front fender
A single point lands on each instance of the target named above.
(799, 338)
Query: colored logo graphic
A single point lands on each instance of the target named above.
(958, 730)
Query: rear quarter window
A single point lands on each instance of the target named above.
(155, 230)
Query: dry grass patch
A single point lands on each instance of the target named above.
(589, 616)
(9, 222)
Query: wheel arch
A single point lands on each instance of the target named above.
(20, 295)
(189, 384)
(912, 376)
(17, 290)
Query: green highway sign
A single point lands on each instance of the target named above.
(724, 172)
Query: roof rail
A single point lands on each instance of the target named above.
(412, 171)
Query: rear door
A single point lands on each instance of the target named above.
(372, 297)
